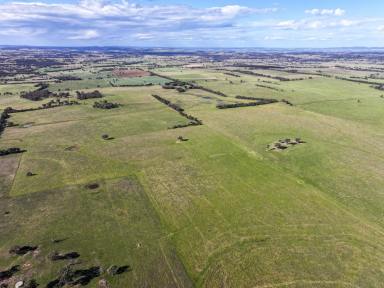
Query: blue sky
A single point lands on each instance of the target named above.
(209, 23)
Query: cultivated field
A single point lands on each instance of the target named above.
(180, 204)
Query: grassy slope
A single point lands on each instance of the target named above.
(236, 215)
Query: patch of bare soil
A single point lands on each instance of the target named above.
(8, 166)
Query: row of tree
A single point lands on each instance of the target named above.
(68, 78)
(193, 120)
(280, 78)
(13, 150)
(255, 102)
(3, 120)
(212, 91)
(268, 87)
(261, 100)
(232, 74)
(358, 81)
(51, 104)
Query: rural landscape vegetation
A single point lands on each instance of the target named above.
(191, 167)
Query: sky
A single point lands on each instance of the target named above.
(199, 23)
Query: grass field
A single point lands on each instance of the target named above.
(218, 210)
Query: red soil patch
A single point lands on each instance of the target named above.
(130, 73)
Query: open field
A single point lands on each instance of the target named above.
(203, 205)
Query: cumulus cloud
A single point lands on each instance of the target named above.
(98, 19)
(97, 10)
(326, 12)
(122, 22)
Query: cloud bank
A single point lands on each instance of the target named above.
(98, 22)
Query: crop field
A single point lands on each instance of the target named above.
(181, 189)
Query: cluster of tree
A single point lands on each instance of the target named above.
(61, 95)
(179, 86)
(9, 151)
(105, 105)
(68, 78)
(39, 94)
(7, 93)
(58, 103)
(36, 95)
(193, 120)
(379, 87)
(6, 274)
(285, 144)
(88, 95)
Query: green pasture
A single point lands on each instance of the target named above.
(218, 210)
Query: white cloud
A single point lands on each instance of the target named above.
(144, 36)
(274, 38)
(84, 35)
(123, 11)
(326, 12)
(233, 10)
(21, 31)
(306, 24)
(99, 19)
(288, 25)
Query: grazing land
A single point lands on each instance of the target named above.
(193, 169)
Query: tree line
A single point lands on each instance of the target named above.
(255, 102)
(193, 120)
